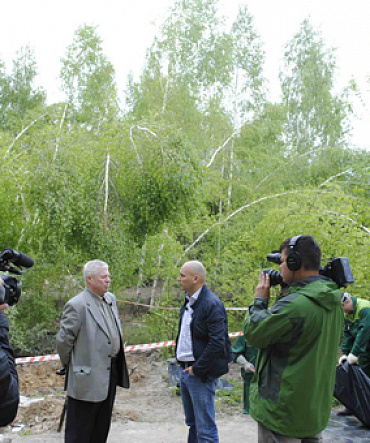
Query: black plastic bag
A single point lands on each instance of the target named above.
(352, 388)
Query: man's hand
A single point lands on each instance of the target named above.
(263, 287)
(342, 359)
(3, 306)
(352, 359)
(190, 370)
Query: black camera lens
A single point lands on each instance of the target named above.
(275, 277)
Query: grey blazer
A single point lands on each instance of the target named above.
(84, 345)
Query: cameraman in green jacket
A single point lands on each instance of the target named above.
(298, 338)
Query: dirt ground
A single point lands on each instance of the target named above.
(150, 411)
(150, 398)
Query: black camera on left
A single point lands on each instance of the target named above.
(10, 258)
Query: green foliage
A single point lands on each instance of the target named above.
(193, 44)
(228, 400)
(18, 95)
(33, 325)
(248, 87)
(162, 324)
(160, 182)
(88, 79)
(315, 115)
(201, 167)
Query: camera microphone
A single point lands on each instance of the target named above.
(17, 258)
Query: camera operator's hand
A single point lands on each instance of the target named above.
(263, 287)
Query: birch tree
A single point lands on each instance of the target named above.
(316, 116)
(19, 94)
(88, 79)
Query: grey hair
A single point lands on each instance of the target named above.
(93, 267)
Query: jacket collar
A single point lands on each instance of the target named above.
(309, 280)
(94, 310)
(200, 297)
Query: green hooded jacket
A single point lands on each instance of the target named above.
(292, 390)
(356, 339)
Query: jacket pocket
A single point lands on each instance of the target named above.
(81, 370)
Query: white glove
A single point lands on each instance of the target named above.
(249, 368)
(244, 363)
(342, 359)
(352, 359)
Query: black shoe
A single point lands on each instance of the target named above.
(344, 412)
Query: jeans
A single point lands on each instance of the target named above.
(267, 436)
(198, 399)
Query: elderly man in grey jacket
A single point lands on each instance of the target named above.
(89, 343)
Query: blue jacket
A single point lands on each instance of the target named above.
(210, 337)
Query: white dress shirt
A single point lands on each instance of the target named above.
(184, 350)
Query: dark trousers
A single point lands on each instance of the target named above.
(8, 413)
(89, 422)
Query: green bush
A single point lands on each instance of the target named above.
(33, 325)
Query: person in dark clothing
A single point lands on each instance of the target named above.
(9, 389)
(203, 351)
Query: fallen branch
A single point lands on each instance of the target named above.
(334, 176)
(230, 216)
(364, 228)
(221, 147)
(22, 132)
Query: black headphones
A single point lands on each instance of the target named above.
(294, 259)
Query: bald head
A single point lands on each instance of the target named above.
(192, 276)
(197, 268)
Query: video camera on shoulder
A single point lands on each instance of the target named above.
(13, 287)
(337, 269)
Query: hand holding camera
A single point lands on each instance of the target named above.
(263, 287)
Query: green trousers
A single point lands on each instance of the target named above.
(246, 386)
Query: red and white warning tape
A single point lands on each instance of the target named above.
(129, 348)
(172, 308)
